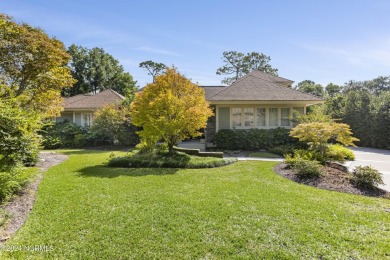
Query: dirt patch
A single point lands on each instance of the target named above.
(335, 177)
(19, 208)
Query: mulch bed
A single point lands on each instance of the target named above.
(335, 177)
(19, 208)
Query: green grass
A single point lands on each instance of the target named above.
(264, 155)
(85, 210)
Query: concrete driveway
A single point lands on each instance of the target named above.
(378, 159)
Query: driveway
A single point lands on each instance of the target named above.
(378, 159)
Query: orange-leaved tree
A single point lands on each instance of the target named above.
(33, 67)
(170, 109)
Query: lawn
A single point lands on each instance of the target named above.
(264, 155)
(85, 210)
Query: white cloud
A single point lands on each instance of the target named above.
(373, 53)
(156, 50)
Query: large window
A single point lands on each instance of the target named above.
(285, 114)
(249, 118)
(273, 117)
(236, 113)
(260, 117)
(86, 119)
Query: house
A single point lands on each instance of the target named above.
(257, 100)
(79, 109)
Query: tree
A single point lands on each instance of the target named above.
(317, 135)
(153, 68)
(310, 87)
(114, 123)
(32, 67)
(239, 64)
(332, 89)
(96, 70)
(171, 109)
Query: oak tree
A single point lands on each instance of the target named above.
(96, 70)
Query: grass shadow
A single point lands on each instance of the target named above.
(103, 171)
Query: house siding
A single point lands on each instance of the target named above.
(224, 118)
(211, 127)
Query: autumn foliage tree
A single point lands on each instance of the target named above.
(33, 67)
(317, 134)
(170, 109)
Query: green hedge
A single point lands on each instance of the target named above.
(175, 160)
(252, 139)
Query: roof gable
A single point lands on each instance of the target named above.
(88, 101)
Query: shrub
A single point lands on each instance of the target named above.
(366, 177)
(304, 168)
(337, 152)
(168, 160)
(70, 135)
(19, 139)
(310, 155)
(113, 123)
(12, 181)
(284, 149)
(252, 139)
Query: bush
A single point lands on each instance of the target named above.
(304, 168)
(114, 124)
(284, 149)
(337, 152)
(366, 177)
(70, 135)
(252, 139)
(19, 139)
(12, 181)
(167, 160)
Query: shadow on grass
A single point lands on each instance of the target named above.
(103, 171)
(81, 151)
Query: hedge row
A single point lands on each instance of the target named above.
(252, 139)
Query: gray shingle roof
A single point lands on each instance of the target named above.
(88, 101)
(258, 86)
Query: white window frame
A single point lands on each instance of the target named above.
(267, 116)
(90, 119)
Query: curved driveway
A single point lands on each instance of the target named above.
(378, 159)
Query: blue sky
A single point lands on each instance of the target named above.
(324, 41)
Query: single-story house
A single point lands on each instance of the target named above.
(79, 109)
(257, 100)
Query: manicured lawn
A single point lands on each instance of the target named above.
(85, 210)
(264, 155)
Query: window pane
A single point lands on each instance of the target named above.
(261, 117)
(285, 113)
(236, 112)
(273, 117)
(249, 118)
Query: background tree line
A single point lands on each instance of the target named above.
(364, 105)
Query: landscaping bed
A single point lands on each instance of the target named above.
(15, 212)
(167, 160)
(335, 177)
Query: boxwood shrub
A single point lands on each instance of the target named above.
(252, 139)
